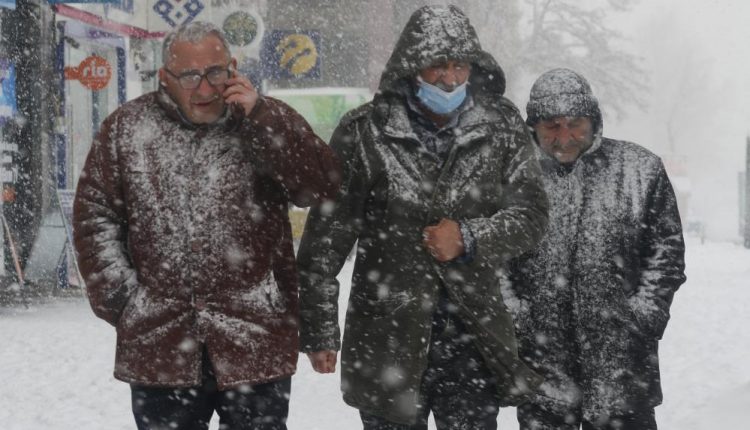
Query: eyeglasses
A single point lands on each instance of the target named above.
(192, 80)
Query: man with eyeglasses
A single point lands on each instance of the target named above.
(440, 188)
(184, 240)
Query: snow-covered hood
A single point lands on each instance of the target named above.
(434, 34)
(563, 92)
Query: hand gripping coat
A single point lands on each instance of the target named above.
(392, 189)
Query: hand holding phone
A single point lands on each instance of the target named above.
(239, 90)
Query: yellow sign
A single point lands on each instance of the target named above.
(297, 54)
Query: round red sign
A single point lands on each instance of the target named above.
(94, 72)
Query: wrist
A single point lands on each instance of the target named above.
(469, 242)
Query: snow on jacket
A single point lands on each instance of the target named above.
(183, 238)
(592, 301)
(392, 189)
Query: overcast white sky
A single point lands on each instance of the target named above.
(696, 52)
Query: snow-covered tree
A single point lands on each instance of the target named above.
(530, 37)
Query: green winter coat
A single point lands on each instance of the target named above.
(392, 189)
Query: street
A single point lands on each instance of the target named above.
(56, 361)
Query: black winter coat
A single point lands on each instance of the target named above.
(593, 300)
(392, 189)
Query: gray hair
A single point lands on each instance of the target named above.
(193, 32)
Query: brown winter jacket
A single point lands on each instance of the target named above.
(184, 241)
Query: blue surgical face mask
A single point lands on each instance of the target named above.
(438, 100)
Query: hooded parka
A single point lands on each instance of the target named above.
(184, 241)
(592, 301)
(392, 189)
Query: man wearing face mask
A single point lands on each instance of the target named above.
(184, 241)
(592, 301)
(440, 188)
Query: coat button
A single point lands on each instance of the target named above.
(196, 245)
(199, 303)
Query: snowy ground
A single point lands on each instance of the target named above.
(56, 362)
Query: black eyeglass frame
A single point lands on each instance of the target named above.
(215, 81)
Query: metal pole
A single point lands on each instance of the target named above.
(747, 195)
(14, 254)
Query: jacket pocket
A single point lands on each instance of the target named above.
(145, 316)
(372, 306)
(261, 298)
(627, 315)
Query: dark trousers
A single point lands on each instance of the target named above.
(256, 407)
(534, 417)
(457, 386)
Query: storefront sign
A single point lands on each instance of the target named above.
(240, 27)
(292, 55)
(80, 31)
(122, 5)
(178, 12)
(7, 90)
(243, 28)
(106, 23)
(81, 1)
(94, 73)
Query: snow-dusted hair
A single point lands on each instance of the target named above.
(193, 32)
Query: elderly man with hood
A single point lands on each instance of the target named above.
(592, 301)
(183, 238)
(440, 188)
